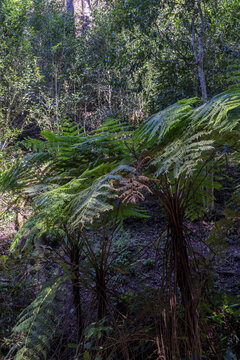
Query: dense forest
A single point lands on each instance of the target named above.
(119, 179)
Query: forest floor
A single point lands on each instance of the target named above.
(225, 261)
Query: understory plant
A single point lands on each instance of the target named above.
(177, 151)
(80, 184)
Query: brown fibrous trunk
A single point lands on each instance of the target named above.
(186, 286)
(101, 293)
(76, 288)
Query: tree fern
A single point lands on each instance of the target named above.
(182, 137)
(181, 142)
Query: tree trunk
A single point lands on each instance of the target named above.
(198, 48)
(202, 79)
(81, 10)
(86, 13)
(76, 288)
(69, 5)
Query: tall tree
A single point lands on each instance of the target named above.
(198, 45)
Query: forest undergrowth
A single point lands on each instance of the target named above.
(119, 180)
(133, 290)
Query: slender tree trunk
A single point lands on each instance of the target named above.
(202, 81)
(76, 288)
(198, 49)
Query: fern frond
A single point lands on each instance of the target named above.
(182, 155)
(77, 203)
(22, 172)
(35, 227)
(217, 114)
(92, 202)
(37, 324)
(161, 123)
(131, 210)
(66, 156)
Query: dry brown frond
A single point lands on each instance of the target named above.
(133, 186)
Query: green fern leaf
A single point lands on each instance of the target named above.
(159, 125)
(37, 324)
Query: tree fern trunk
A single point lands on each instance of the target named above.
(101, 293)
(76, 288)
(186, 286)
